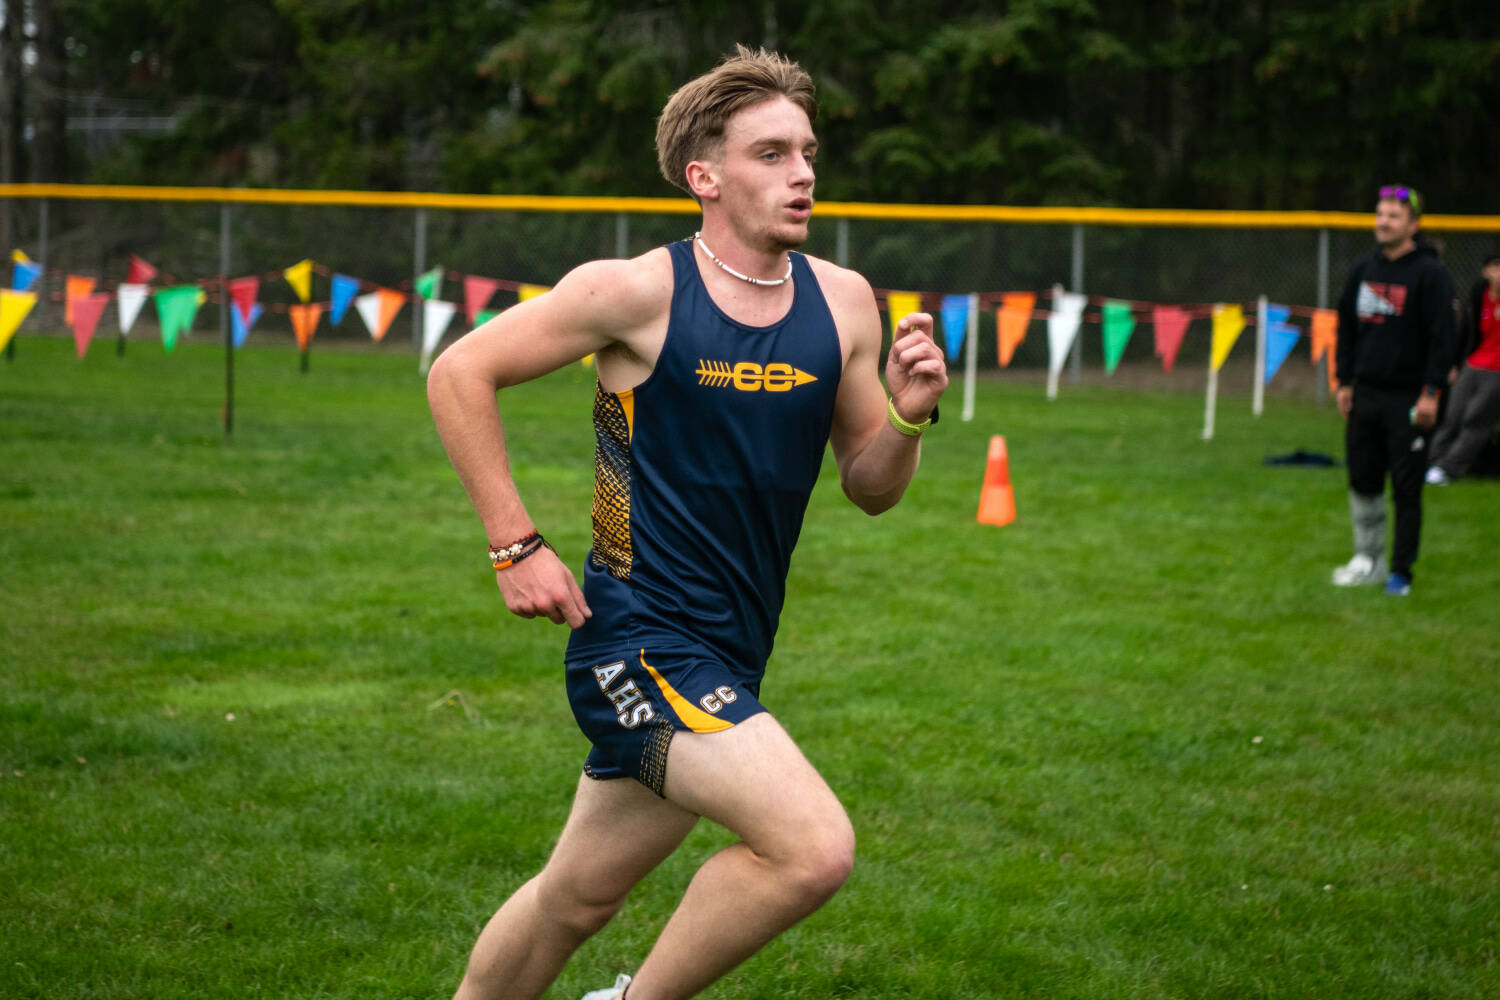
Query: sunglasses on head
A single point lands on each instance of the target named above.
(1404, 194)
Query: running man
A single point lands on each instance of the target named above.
(726, 364)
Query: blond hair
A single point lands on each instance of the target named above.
(691, 126)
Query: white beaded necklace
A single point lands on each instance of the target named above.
(763, 282)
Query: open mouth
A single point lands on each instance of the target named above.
(800, 206)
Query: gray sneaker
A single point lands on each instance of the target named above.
(615, 992)
(1360, 571)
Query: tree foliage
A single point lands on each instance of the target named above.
(1209, 103)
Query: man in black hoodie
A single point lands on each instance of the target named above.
(1395, 347)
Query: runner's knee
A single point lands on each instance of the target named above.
(823, 858)
(583, 909)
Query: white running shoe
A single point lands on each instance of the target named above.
(1437, 477)
(615, 992)
(1360, 571)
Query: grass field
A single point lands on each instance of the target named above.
(266, 730)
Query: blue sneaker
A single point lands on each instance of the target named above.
(1397, 585)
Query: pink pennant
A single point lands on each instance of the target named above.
(140, 272)
(477, 292)
(86, 312)
(1171, 324)
(78, 286)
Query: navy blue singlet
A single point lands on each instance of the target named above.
(702, 477)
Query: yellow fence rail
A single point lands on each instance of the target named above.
(1046, 215)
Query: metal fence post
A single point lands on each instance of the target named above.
(226, 329)
(1077, 286)
(1322, 387)
(841, 251)
(622, 235)
(419, 265)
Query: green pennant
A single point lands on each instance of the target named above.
(1119, 323)
(176, 307)
(430, 285)
(483, 316)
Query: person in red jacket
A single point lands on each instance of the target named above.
(1474, 405)
(1395, 349)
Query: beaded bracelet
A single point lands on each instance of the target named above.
(506, 556)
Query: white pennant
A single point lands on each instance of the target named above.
(369, 310)
(436, 315)
(131, 298)
(1062, 329)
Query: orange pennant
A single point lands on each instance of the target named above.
(305, 322)
(1325, 341)
(1015, 314)
(78, 287)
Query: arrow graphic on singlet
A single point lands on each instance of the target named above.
(748, 376)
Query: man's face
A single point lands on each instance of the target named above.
(766, 174)
(1394, 223)
(1491, 273)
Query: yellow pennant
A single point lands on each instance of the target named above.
(13, 309)
(532, 291)
(900, 305)
(299, 276)
(19, 256)
(1229, 323)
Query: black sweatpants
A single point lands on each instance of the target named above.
(1381, 438)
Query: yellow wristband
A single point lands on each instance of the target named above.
(902, 424)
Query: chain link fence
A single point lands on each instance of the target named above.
(1193, 264)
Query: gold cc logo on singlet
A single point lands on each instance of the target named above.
(747, 376)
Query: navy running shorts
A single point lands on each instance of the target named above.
(630, 705)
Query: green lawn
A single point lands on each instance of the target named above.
(267, 731)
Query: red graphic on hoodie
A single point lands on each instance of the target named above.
(1377, 300)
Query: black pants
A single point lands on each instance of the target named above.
(1381, 438)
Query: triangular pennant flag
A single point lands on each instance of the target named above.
(955, 323)
(140, 273)
(1229, 323)
(19, 256)
(477, 292)
(23, 275)
(13, 309)
(176, 307)
(344, 290)
(77, 287)
(430, 285)
(526, 292)
(1170, 325)
(899, 305)
(1279, 343)
(241, 321)
(436, 315)
(485, 315)
(243, 292)
(1119, 324)
(305, 322)
(1325, 341)
(86, 313)
(1281, 337)
(1062, 328)
(1011, 323)
(299, 276)
(378, 309)
(130, 298)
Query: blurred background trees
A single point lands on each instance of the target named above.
(1180, 103)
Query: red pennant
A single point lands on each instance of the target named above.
(1171, 324)
(86, 312)
(305, 322)
(244, 292)
(140, 271)
(477, 292)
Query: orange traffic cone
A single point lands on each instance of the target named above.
(997, 503)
